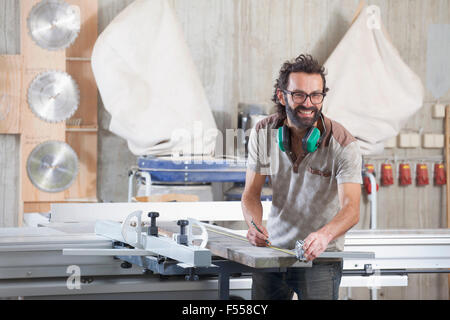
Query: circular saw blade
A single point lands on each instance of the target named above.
(54, 24)
(53, 96)
(52, 166)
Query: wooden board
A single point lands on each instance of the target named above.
(85, 185)
(81, 72)
(83, 139)
(237, 248)
(83, 45)
(41, 207)
(34, 130)
(10, 83)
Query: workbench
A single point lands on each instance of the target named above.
(32, 264)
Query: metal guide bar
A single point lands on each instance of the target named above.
(159, 245)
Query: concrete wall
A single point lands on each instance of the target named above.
(9, 144)
(238, 47)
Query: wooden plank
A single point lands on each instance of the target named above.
(83, 45)
(81, 72)
(10, 83)
(84, 142)
(32, 207)
(237, 248)
(35, 130)
(85, 146)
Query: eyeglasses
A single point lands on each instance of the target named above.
(300, 97)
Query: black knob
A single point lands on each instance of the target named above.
(153, 229)
(182, 237)
(182, 224)
(153, 215)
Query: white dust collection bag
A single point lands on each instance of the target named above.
(372, 91)
(149, 84)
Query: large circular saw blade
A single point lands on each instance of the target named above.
(53, 96)
(54, 24)
(52, 166)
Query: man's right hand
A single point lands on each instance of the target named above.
(252, 208)
(257, 238)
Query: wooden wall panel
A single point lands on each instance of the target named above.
(83, 138)
(34, 130)
(82, 47)
(81, 72)
(85, 186)
(10, 93)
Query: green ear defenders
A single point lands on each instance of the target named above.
(310, 142)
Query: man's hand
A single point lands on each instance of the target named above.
(256, 238)
(315, 244)
(347, 217)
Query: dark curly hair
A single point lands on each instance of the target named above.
(303, 63)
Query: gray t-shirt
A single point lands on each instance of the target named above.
(305, 189)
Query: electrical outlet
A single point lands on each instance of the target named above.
(439, 111)
(409, 140)
(433, 140)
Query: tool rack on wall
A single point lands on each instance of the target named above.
(80, 131)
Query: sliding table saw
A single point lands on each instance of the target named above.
(107, 259)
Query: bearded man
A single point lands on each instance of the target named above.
(314, 165)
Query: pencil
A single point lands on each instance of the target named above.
(254, 224)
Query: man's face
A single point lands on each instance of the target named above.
(302, 115)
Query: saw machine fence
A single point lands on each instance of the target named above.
(132, 232)
(130, 257)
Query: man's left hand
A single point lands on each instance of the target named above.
(315, 244)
